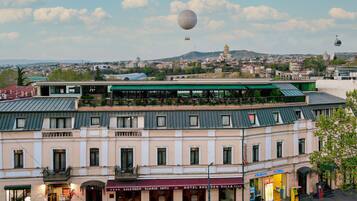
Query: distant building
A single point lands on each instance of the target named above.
(14, 92)
(101, 67)
(294, 67)
(345, 73)
(131, 76)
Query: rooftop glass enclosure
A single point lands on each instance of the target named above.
(191, 94)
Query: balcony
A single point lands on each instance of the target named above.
(55, 175)
(126, 174)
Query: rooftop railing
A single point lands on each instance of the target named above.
(191, 101)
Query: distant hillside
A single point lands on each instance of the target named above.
(238, 54)
(10, 62)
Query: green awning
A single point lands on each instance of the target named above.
(261, 86)
(175, 87)
(18, 187)
(288, 89)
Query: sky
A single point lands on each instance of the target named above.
(113, 30)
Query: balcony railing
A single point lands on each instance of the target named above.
(55, 175)
(193, 101)
(126, 174)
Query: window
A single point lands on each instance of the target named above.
(255, 153)
(18, 159)
(59, 160)
(161, 156)
(194, 156)
(161, 121)
(194, 121)
(94, 157)
(18, 194)
(279, 149)
(252, 118)
(302, 146)
(226, 120)
(227, 155)
(298, 114)
(94, 121)
(20, 123)
(276, 116)
(127, 159)
(60, 123)
(127, 122)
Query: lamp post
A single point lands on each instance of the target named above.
(209, 182)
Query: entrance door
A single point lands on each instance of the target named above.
(93, 194)
(302, 182)
(127, 160)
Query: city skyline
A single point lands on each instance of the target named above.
(120, 30)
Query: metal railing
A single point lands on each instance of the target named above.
(56, 175)
(192, 101)
(126, 174)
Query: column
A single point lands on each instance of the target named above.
(178, 152)
(268, 147)
(145, 148)
(214, 194)
(1, 157)
(145, 195)
(211, 147)
(296, 139)
(83, 152)
(239, 192)
(37, 153)
(105, 150)
(178, 194)
(309, 138)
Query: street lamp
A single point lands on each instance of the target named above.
(209, 182)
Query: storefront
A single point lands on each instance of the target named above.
(163, 189)
(161, 195)
(18, 193)
(268, 186)
(128, 196)
(59, 192)
(93, 190)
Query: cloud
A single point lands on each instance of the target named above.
(9, 36)
(14, 14)
(67, 39)
(215, 24)
(261, 13)
(297, 24)
(61, 14)
(134, 3)
(203, 5)
(16, 2)
(339, 13)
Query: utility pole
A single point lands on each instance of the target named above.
(209, 183)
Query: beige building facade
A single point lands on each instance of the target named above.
(53, 149)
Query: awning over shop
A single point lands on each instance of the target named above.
(164, 184)
(18, 187)
(304, 170)
(93, 183)
(175, 87)
(261, 86)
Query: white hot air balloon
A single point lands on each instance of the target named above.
(187, 20)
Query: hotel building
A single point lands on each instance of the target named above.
(125, 141)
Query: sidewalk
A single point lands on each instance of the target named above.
(338, 196)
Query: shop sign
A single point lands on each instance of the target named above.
(263, 174)
(278, 171)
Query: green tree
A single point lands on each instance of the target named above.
(7, 77)
(70, 75)
(338, 137)
(317, 64)
(21, 78)
(338, 61)
(98, 75)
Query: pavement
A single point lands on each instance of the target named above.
(338, 196)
